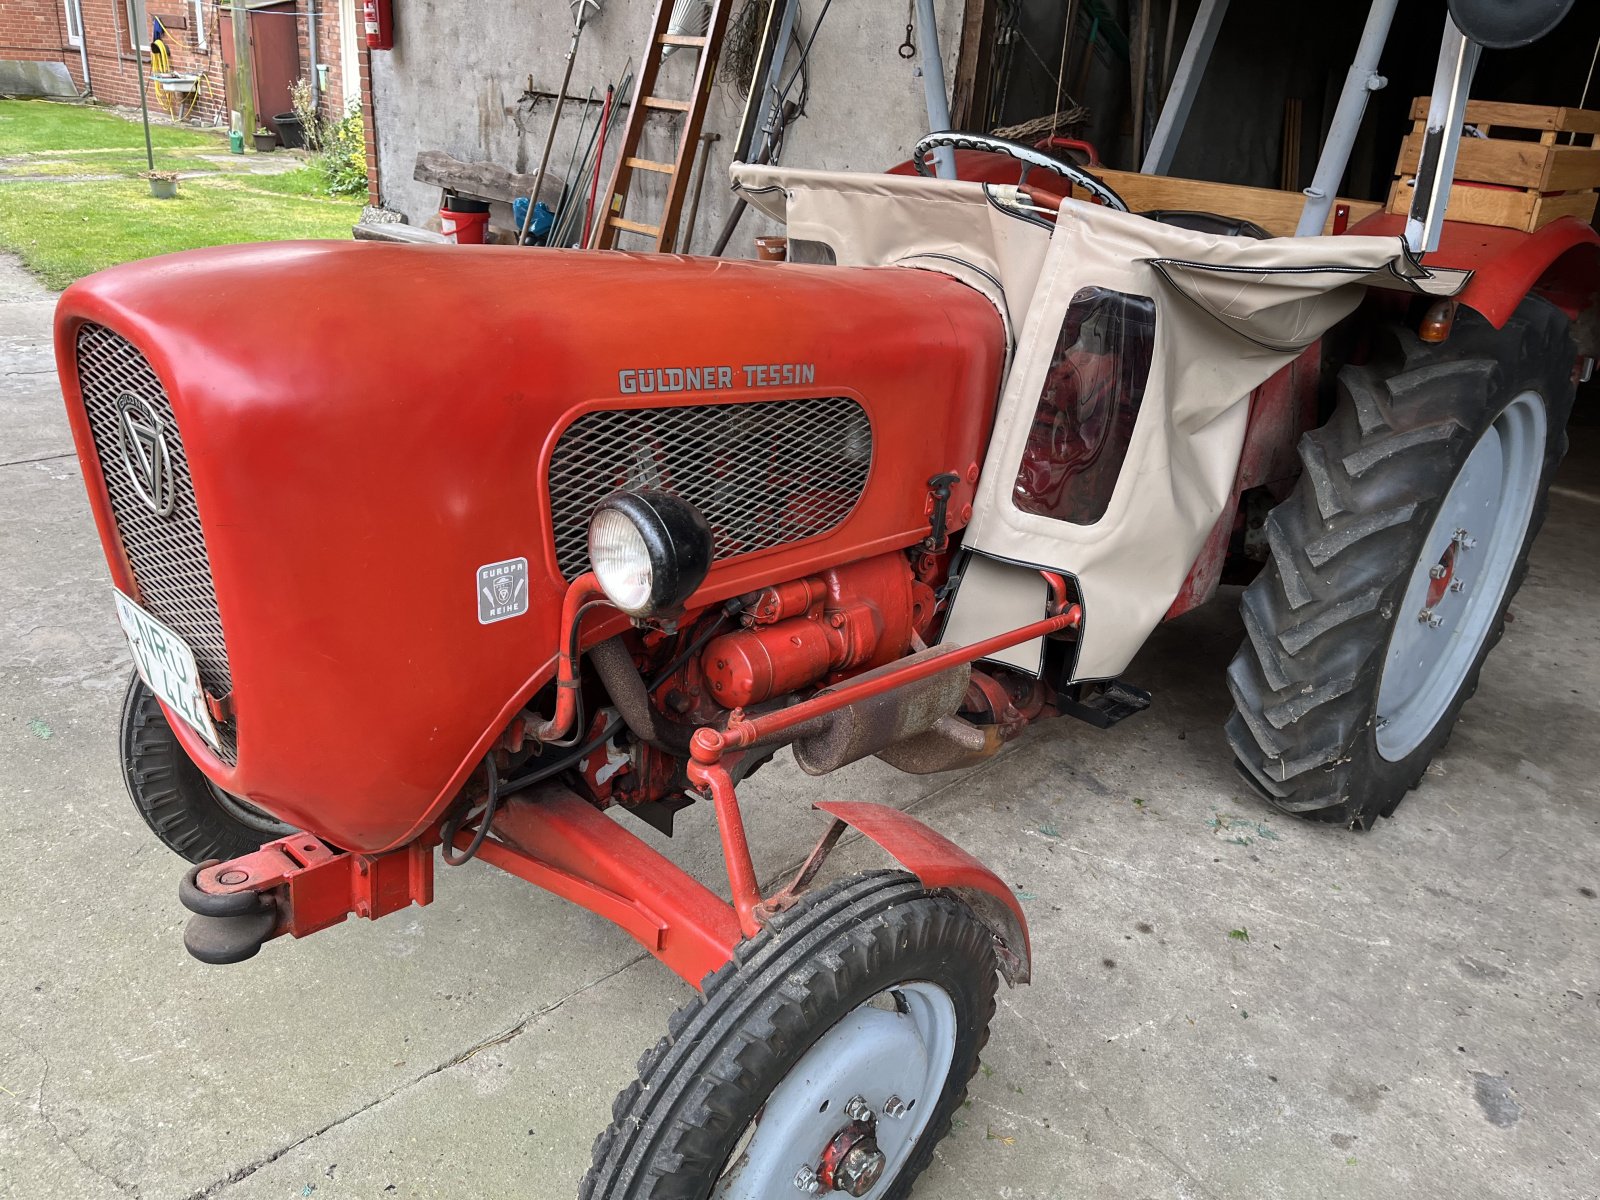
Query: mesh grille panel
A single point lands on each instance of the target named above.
(763, 474)
(167, 554)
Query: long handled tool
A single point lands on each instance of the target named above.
(582, 11)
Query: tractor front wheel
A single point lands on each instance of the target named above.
(828, 1056)
(189, 814)
(1394, 561)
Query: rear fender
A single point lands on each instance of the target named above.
(942, 865)
(1559, 262)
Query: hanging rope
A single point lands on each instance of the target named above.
(1061, 70)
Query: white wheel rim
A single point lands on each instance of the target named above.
(900, 1044)
(1460, 580)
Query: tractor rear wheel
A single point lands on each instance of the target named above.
(1394, 560)
(191, 816)
(828, 1056)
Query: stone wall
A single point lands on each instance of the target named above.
(475, 80)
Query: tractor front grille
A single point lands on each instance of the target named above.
(763, 474)
(167, 553)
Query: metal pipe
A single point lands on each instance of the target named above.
(1185, 86)
(933, 85)
(311, 51)
(625, 686)
(1359, 83)
(1447, 110)
(710, 744)
(555, 120)
(83, 48)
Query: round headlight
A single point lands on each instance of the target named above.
(648, 550)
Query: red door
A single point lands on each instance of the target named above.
(274, 58)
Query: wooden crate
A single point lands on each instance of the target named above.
(1550, 169)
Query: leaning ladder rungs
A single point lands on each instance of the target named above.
(647, 164)
(634, 226)
(679, 39)
(668, 105)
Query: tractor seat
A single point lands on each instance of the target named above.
(1204, 222)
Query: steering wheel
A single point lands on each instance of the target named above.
(1026, 155)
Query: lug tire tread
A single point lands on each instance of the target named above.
(726, 1048)
(1344, 544)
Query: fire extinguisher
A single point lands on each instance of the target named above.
(378, 20)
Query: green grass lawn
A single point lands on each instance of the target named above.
(31, 126)
(64, 228)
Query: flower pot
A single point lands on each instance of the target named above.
(164, 189)
(265, 143)
(291, 131)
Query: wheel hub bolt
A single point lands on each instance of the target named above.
(1458, 585)
(1435, 620)
(860, 1170)
(806, 1180)
(894, 1108)
(229, 878)
(858, 1109)
(1436, 571)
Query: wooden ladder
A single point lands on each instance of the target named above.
(646, 102)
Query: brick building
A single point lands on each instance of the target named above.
(89, 45)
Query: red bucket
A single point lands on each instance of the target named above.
(464, 228)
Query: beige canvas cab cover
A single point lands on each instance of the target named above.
(1179, 327)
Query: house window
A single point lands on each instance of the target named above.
(199, 25)
(74, 23)
(138, 25)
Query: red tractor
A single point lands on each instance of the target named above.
(934, 479)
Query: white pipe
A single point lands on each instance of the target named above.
(933, 85)
(83, 48)
(1359, 83)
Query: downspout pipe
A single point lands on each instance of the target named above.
(1361, 81)
(311, 52)
(83, 48)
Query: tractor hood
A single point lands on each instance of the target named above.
(376, 506)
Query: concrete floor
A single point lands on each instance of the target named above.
(1416, 1012)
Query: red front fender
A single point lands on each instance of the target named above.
(941, 864)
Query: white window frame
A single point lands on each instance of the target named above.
(199, 38)
(138, 25)
(74, 23)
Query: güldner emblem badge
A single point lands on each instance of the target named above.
(142, 441)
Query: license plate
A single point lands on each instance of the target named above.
(167, 665)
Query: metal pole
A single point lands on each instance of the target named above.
(1185, 85)
(244, 102)
(1359, 83)
(550, 138)
(933, 84)
(144, 104)
(1452, 80)
(311, 51)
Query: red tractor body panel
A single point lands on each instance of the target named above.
(1560, 261)
(350, 490)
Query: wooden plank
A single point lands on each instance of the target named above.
(1573, 204)
(1484, 160)
(1570, 168)
(634, 226)
(1474, 205)
(649, 164)
(1276, 212)
(1517, 164)
(482, 180)
(680, 39)
(969, 91)
(1521, 116)
(666, 105)
(395, 231)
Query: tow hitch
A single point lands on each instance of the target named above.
(295, 885)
